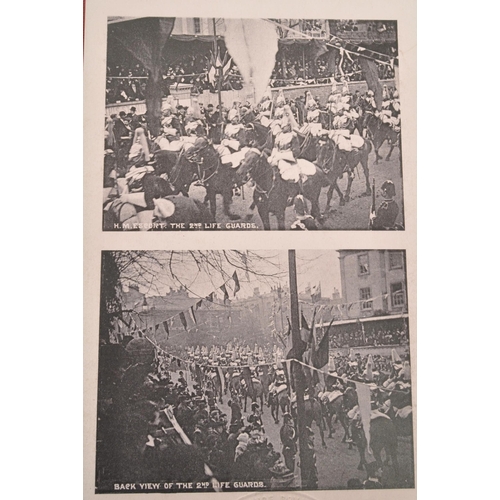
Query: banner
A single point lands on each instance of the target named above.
(253, 44)
(365, 409)
(236, 283)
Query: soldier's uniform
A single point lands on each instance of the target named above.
(288, 437)
(385, 215)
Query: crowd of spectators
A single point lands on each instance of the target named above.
(355, 337)
(126, 82)
(350, 25)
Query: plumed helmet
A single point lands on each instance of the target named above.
(163, 208)
(311, 104)
(233, 113)
(388, 186)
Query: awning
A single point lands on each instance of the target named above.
(363, 320)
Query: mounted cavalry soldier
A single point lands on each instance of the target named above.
(232, 130)
(314, 117)
(391, 110)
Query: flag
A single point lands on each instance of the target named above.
(287, 368)
(395, 356)
(198, 304)
(370, 72)
(253, 44)
(322, 353)
(210, 297)
(224, 291)
(182, 317)
(365, 410)
(305, 332)
(236, 283)
(315, 49)
(192, 316)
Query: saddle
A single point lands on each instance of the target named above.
(345, 140)
(234, 160)
(331, 396)
(403, 413)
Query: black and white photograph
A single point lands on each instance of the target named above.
(230, 370)
(252, 124)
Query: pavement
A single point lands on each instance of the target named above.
(353, 216)
(336, 463)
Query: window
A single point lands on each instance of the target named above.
(197, 25)
(363, 266)
(397, 294)
(364, 295)
(396, 260)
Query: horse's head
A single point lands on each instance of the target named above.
(247, 166)
(200, 148)
(325, 154)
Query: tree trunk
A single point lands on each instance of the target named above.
(154, 95)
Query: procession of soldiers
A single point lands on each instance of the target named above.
(280, 153)
(186, 419)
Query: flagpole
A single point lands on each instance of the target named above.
(298, 374)
(219, 78)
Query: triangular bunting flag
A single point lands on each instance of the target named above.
(182, 317)
(236, 283)
(224, 291)
(165, 327)
(192, 316)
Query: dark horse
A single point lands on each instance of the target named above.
(383, 436)
(336, 162)
(379, 132)
(338, 409)
(204, 164)
(313, 413)
(254, 391)
(277, 401)
(271, 192)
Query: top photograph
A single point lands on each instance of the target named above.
(252, 124)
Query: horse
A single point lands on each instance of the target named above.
(383, 436)
(338, 409)
(271, 192)
(335, 162)
(312, 413)
(254, 391)
(379, 132)
(256, 135)
(215, 383)
(235, 385)
(400, 412)
(204, 164)
(277, 401)
(335, 409)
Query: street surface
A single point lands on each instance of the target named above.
(355, 213)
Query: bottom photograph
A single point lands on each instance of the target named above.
(254, 371)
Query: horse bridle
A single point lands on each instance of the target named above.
(201, 172)
(258, 188)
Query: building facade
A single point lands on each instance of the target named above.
(373, 282)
